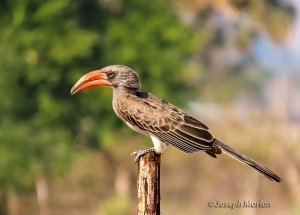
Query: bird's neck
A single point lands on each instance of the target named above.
(123, 90)
(120, 96)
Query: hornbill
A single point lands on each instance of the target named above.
(158, 119)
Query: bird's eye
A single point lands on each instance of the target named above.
(111, 75)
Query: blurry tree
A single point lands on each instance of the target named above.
(232, 26)
(45, 46)
(274, 15)
(39, 42)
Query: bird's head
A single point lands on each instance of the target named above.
(114, 76)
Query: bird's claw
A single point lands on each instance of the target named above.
(135, 153)
(141, 152)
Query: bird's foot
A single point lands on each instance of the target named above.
(141, 152)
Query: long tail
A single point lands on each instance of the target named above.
(246, 160)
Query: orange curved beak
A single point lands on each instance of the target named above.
(91, 79)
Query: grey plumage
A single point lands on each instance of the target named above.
(173, 126)
(161, 120)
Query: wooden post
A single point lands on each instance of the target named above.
(149, 184)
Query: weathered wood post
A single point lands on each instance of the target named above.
(149, 184)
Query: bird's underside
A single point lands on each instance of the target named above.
(165, 123)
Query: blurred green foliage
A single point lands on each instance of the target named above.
(45, 46)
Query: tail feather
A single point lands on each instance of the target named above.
(246, 160)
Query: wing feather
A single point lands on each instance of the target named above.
(195, 133)
(167, 122)
(196, 142)
(175, 142)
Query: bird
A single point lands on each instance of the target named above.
(158, 119)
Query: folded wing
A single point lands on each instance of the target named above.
(169, 124)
